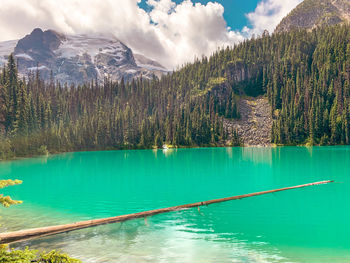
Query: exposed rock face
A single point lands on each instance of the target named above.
(255, 126)
(38, 50)
(142, 61)
(41, 45)
(244, 77)
(314, 13)
(238, 71)
(78, 58)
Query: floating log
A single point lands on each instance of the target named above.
(18, 236)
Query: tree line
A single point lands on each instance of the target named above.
(304, 74)
(179, 109)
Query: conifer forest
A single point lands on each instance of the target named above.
(304, 74)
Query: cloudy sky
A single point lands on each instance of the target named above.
(171, 31)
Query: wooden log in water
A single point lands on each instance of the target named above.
(18, 236)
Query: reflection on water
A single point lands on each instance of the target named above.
(261, 155)
(168, 152)
(310, 150)
(166, 238)
(229, 152)
(307, 225)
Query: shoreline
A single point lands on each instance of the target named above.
(161, 149)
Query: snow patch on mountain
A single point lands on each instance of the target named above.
(38, 68)
(24, 56)
(78, 45)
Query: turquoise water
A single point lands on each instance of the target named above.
(304, 225)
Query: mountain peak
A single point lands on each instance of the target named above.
(315, 13)
(40, 44)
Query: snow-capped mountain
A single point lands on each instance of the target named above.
(77, 58)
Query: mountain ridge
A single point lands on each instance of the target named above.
(316, 13)
(78, 58)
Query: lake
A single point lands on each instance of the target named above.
(303, 225)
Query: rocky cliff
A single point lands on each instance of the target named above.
(314, 13)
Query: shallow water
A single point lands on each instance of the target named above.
(304, 225)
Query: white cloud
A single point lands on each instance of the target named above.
(176, 34)
(189, 30)
(171, 33)
(268, 15)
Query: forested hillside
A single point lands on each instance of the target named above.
(179, 109)
(305, 76)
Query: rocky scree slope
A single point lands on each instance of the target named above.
(255, 125)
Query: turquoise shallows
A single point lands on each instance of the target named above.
(304, 225)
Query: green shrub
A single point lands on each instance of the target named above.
(5, 149)
(28, 256)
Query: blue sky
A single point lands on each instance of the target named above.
(235, 10)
